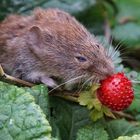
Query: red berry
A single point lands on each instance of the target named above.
(116, 92)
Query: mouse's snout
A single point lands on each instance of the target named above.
(110, 72)
(107, 70)
(102, 70)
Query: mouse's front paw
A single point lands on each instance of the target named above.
(48, 81)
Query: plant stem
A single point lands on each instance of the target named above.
(124, 115)
(135, 82)
(67, 97)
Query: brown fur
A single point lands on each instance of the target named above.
(46, 44)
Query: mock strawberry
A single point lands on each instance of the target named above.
(116, 92)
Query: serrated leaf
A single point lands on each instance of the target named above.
(95, 114)
(20, 117)
(108, 112)
(88, 98)
(94, 132)
(118, 128)
(94, 88)
(97, 104)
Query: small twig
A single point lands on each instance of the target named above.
(64, 95)
(1, 71)
(127, 19)
(19, 81)
(69, 98)
(9, 78)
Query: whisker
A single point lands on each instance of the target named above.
(67, 82)
(96, 80)
(109, 50)
(123, 49)
(126, 59)
(116, 51)
(124, 54)
(86, 82)
(118, 47)
(110, 46)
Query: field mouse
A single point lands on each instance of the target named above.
(51, 44)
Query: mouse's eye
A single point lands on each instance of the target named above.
(81, 59)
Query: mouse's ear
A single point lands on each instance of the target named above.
(35, 40)
(35, 34)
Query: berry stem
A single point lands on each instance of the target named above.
(123, 115)
(135, 82)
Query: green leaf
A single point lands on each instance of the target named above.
(71, 6)
(40, 93)
(134, 137)
(135, 106)
(97, 104)
(129, 9)
(118, 128)
(108, 112)
(88, 98)
(68, 117)
(130, 34)
(20, 117)
(94, 132)
(94, 89)
(95, 115)
(16, 6)
(93, 18)
(127, 28)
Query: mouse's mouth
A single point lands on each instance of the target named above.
(98, 76)
(102, 74)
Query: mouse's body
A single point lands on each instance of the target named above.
(51, 43)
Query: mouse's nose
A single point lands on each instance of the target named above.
(109, 72)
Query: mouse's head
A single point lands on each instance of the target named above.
(84, 57)
(67, 50)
